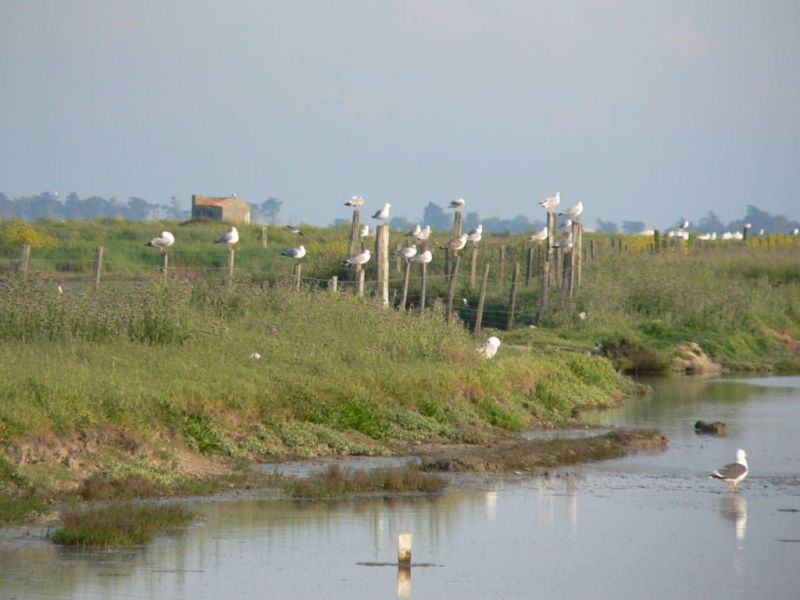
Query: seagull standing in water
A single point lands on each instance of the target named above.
(733, 473)
(165, 240)
(230, 238)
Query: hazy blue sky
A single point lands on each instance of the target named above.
(644, 110)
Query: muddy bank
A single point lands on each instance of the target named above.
(536, 455)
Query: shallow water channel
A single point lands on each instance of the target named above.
(646, 526)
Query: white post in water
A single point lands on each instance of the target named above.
(404, 549)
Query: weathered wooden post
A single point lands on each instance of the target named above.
(333, 284)
(656, 241)
(457, 223)
(512, 296)
(502, 268)
(98, 265)
(473, 265)
(360, 285)
(548, 264)
(423, 286)
(404, 295)
(577, 241)
(355, 239)
(559, 266)
(298, 270)
(25, 261)
(745, 233)
(263, 236)
(451, 292)
(397, 257)
(231, 262)
(382, 258)
(529, 267)
(482, 297)
(591, 250)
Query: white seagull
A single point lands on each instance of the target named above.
(733, 473)
(416, 231)
(458, 203)
(684, 225)
(365, 231)
(489, 348)
(355, 202)
(230, 238)
(361, 258)
(475, 235)
(550, 203)
(567, 224)
(165, 240)
(424, 234)
(297, 252)
(423, 258)
(456, 244)
(407, 252)
(539, 236)
(573, 211)
(383, 213)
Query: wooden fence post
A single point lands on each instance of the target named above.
(423, 286)
(360, 288)
(451, 293)
(502, 269)
(231, 262)
(512, 296)
(547, 269)
(298, 270)
(482, 297)
(473, 265)
(577, 237)
(404, 296)
(382, 251)
(333, 284)
(26, 259)
(656, 241)
(263, 236)
(529, 267)
(354, 232)
(98, 266)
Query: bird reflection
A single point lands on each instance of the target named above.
(734, 507)
(491, 505)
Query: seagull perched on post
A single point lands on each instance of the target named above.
(230, 238)
(573, 211)
(355, 202)
(475, 235)
(361, 258)
(407, 252)
(550, 203)
(423, 258)
(458, 203)
(424, 234)
(383, 213)
(365, 231)
(456, 244)
(539, 236)
(297, 252)
(165, 240)
(416, 231)
(733, 473)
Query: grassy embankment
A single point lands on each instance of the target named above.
(142, 389)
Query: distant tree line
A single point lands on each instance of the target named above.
(49, 205)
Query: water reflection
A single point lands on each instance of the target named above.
(733, 507)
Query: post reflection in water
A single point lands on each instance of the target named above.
(403, 582)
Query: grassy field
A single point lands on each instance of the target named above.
(141, 389)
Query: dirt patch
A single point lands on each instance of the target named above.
(784, 337)
(690, 358)
(536, 455)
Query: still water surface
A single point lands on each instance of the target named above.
(650, 525)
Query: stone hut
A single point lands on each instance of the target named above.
(226, 208)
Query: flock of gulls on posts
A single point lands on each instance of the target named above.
(732, 474)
